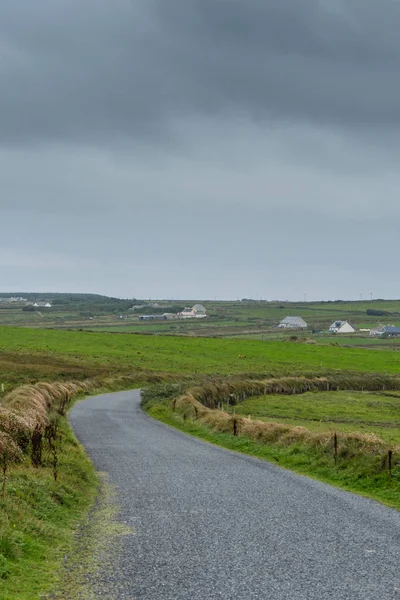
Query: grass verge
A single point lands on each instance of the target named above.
(365, 475)
(38, 517)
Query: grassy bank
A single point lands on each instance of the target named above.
(47, 483)
(38, 517)
(358, 464)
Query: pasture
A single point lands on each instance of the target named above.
(345, 411)
(121, 352)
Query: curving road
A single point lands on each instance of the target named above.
(212, 524)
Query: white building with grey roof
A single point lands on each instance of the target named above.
(293, 323)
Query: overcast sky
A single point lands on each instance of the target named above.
(200, 148)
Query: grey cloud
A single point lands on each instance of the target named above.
(200, 148)
(101, 71)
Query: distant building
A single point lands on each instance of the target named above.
(42, 305)
(386, 330)
(293, 323)
(197, 311)
(152, 318)
(377, 331)
(188, 313)
(13, 299)
(341, 327)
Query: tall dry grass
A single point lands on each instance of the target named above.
(26, 414)
(203, 403)
(29, 414)
(233, 391)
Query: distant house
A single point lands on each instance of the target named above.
(188, 313)
(293, 323)
(341, 327)
(13, 299)
(42, 305)
(199, 311)
(387, 330)
(392, 331)
(196, 312)
(377, 331)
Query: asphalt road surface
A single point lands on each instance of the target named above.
(210, 523)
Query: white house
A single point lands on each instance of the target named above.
(293, 323)
(42, 305)
(199, 311)
(196, 312)
(341, 327)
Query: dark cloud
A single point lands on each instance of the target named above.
(200, 148)
(98, 71)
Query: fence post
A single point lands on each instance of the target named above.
(235, 427)
(390, 455)
(335, 446)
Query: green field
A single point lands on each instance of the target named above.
(331, 411)
(188, 355)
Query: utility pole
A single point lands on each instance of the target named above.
(371, 296)
(305, 297)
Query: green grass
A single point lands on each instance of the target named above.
(331, 411)
(366, 475)
(190, 355)
(37, 520)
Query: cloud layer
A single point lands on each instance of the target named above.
(200, 148)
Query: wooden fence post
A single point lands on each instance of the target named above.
(235, 427)
(390, 455)
(335, 446)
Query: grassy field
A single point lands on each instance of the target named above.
(330, 411)
(187, 355)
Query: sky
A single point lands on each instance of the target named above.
(200, 148)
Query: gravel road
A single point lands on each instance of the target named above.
(210, 523)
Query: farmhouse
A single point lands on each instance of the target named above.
(199, 310)
(341, 327)
(293, 323)
(196, 312)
